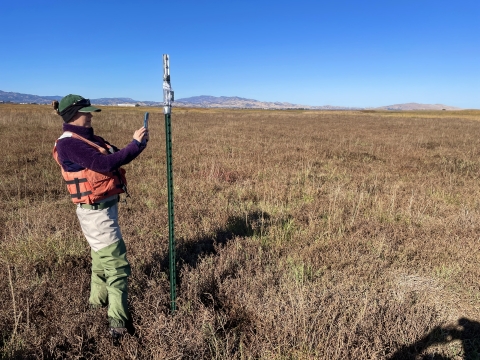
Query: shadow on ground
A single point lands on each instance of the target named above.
(467, 331)
(189, 252)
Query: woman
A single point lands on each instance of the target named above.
(92, 170)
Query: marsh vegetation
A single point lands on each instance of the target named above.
(300, 235)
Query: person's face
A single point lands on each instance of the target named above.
(82, 119)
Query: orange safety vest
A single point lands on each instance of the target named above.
(87, 186)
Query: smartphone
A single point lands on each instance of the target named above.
(145, 121)
(145, 125)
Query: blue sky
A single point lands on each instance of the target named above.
(344, 53)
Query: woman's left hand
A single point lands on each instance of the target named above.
(141, 134)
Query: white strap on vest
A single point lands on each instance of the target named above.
(65, 135)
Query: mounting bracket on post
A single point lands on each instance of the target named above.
(168, 96)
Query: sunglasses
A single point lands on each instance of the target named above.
(83, 102)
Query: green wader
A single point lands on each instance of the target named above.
(110, 270)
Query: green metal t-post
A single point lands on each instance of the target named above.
(167, 110)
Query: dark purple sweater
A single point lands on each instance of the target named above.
(76, 155)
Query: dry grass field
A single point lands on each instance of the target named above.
(300, 235)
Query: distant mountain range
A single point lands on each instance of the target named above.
(235, 102)
(205, 101)
(415, 106)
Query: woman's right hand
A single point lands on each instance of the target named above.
(141, 134)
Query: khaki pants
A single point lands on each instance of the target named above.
(110, 267)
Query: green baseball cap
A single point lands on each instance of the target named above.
(76, 100)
